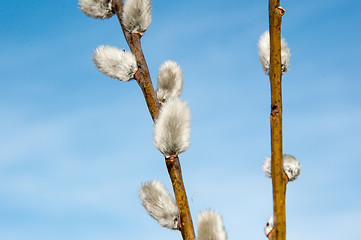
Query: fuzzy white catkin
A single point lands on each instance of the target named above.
(210, 226)
(172, 127)
(137, 15)
(96, 8)
(115, 63)
(291, 166)
(268, 228)
(170, 81)
(159, 204)
(264, 53)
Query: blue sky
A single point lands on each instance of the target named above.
(75, 145)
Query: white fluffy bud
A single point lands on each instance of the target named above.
(210, 226)
(137, 15)
(115, 63)
(264, 53)
(172, 127)
(170, 81)
(291, 166)
(269, 226)
(159, 204)
(96, 8)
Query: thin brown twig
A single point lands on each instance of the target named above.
(175, 173)
(142, 75)
(173, 165)
(278, 177)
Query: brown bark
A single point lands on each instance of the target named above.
(278, 177)
(142, 75)
(175, 173)
(144, 81)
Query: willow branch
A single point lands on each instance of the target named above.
(278, 177)
(142, 76)
(175, 173)
(272, 234)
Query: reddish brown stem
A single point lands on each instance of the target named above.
(175, 173)
(142, 75)
(144, 81)
(278, 177)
